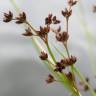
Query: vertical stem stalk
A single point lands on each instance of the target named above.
(50, 52)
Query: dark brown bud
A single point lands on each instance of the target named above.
(8, 17)
(50, 79)
(59, 67)
(62, 37)
(87, 79)
(94, 8)
(73, 60)
(55, 21)
(44, 30)
(59, 29)
(43, 33)
(21, 18)
(67, 13)
(48, 20)
(86, 88)
(28, 32)
(72, 2)
(69, 61)
(43, 55)
(70, 76)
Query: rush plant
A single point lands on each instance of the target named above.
(57, 68)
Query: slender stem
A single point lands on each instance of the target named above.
(30, 26)
(50, 52)
(15, 5)
(67, 24)
(66, 47)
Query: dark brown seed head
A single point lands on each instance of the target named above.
(55, 21)
(48, 20)
(73, 59)
(8, 17)
(62, 37)
(43, 55)
(69, 61)
(86, 88)
(50, 79)
(70, 76)
(21, 18)
(59, 67)
(44, 30)
(67, 13)
(87, 79)
(94, 8)
(28, 32)
(59, 29)
(71, 2)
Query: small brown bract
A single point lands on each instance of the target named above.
(8, 17)
(50, 79)
(21, 18)
(43, 55)
(62, 37)
(28, 32)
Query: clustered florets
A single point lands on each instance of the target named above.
(61, 36)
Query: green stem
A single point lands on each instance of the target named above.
(30, 26)
(50, 52)
(75, 90)
(15, 5)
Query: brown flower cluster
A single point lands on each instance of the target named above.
(94, 8)
(65, 63)
(61, 35)
(8, 17)
(50, 79)
(51, 20)
(43, 55)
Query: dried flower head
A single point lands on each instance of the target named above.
(48, 20)
(94, 8)
(87, 79)
(59, 29)
(59, 67)
(43, 33)
(69, 61)
(43, 55)
(70, 76)
(72, 2)
(51, 20)
(21, 18)
(28, 32)
(8, 17)
(86, 88)
(55, 21)
(67, 13)
(62, 37)
(50, 79)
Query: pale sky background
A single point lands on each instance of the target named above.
(21, 71)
